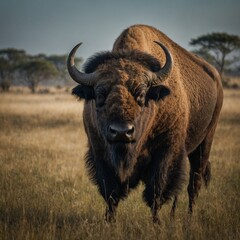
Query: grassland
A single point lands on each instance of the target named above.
(45, 192)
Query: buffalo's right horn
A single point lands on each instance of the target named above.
(76, 75)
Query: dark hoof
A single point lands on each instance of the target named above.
(172, 214)
(110, 217)
(156, 220)
(190, 212)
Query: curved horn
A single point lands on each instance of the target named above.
(76, 75)
(165, 71)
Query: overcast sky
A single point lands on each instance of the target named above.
(55, 26)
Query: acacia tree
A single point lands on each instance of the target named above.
(215, 47)
(35, 71)
(9, 60)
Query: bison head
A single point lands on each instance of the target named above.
(125, 87)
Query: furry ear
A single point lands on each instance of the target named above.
(83, 92)
(157, 93)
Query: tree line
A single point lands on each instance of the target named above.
(219, 49)
(18, 67)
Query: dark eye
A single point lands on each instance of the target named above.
(141, 98)
(100, 99)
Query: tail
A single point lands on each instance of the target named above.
(207, 174)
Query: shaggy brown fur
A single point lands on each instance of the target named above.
(172, 121)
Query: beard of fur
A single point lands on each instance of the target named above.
(122, 158)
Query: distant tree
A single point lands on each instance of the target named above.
(31, 69)
(5, 73)
(35, 71)
(215, 48)
(60, 62)
(9, 60)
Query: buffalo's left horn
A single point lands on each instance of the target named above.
(165, 71)
(76, 75)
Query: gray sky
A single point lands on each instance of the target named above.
(55, 26)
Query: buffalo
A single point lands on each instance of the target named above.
(149, 105)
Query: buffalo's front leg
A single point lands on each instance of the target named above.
(109, 186)
(111, 190)
(152, 196)
(164, 180)
(112, 203)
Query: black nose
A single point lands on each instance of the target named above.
(121, 132)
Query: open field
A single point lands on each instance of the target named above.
(46, 194)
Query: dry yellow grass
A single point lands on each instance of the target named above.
(46, 194)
